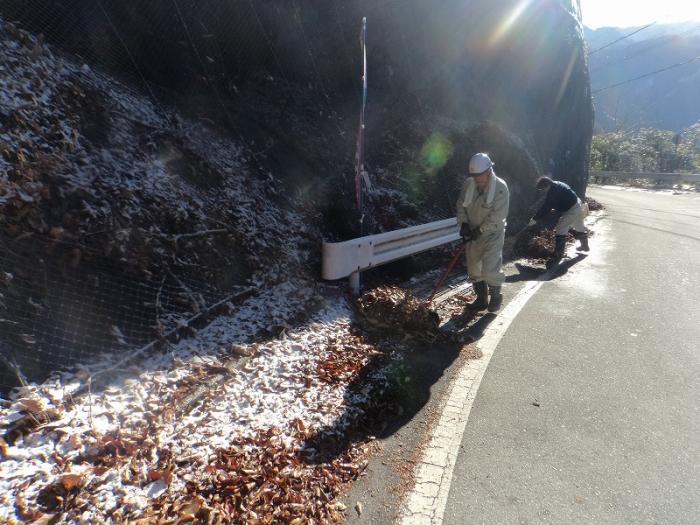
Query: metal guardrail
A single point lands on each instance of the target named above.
(666, 177)
(349, 258)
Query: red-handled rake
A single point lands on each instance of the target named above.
(441, 281)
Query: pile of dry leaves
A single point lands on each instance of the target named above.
(533, 244)
(261, 480)
(593, 204)
(393, 308)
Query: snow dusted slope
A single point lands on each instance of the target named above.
(245, 452)
(99, 184)
(87, 160)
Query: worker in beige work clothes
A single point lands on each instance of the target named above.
(482, 209)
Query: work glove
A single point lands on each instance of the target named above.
(475, 233)
(464, 232)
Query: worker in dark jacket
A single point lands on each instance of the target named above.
(562, 198)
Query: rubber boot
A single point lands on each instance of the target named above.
(495, 298)
(583, 240)
(481, 302)
(559, 246)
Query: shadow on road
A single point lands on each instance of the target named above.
(526, 273)
(563, 268)
(537, 273)
(476, 330)
(409, 381)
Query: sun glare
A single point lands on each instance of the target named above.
(505, 26)
(630, 13)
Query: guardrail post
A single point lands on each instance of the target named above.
(355, 283)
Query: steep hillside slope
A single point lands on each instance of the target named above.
(240, 62)
(120, 220)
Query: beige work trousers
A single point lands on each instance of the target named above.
(485, 258)
(571, 218)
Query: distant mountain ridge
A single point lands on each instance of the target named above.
(598, 37)
(665, 100)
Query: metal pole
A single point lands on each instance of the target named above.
(355, 281)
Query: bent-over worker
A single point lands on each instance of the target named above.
(482, 209)
(562, 198)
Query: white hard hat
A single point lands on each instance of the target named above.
(479, 163)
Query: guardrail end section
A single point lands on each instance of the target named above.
(338, 260)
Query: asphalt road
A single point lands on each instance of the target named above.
(589, 411)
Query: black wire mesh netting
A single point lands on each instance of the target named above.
(281, 80)
(195, 53)
(239, 63)
(56, 312)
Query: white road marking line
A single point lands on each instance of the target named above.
(425, 504)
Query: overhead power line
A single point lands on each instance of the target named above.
(646, 75)
(620, 39)
(663, 41)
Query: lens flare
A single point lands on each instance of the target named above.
(567, 76)
(506, 25)
(436, 152)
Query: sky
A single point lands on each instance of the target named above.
(628, 13)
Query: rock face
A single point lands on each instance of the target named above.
(446, 79)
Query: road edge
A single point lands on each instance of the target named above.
(426, 502)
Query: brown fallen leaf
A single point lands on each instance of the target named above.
(24, 511)
(241, 350)
(32, 406)
(70, 481)
(164, 474)
(44, 520)
(298, 425)
(75, 441)
(190, 510)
